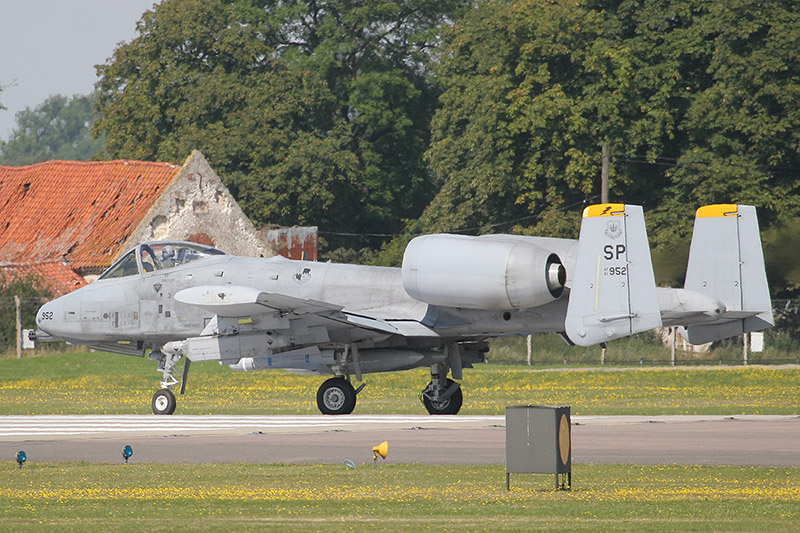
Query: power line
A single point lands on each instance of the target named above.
(463, 230)
(673, 162)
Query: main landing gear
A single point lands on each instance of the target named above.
(442, 396)
(336, 397)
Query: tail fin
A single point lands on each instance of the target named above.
(613, 292)
(726, 262)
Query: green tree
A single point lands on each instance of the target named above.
(741, 131)
(31, 293)
(696, 99)
(58, 128)
(313, 112)
(531, 92)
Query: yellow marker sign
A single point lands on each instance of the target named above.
(563, 439)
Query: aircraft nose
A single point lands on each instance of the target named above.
(49, 315)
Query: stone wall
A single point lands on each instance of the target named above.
(197, 206)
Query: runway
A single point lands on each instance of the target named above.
(733, 440)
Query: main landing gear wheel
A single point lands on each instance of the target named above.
(164, 402)
(448, 406)
(336, 397)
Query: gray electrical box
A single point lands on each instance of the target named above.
(538, 441)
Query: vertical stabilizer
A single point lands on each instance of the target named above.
(613, 292)
(726, 262)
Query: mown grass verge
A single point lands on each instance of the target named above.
(393, 497)
(100, 383)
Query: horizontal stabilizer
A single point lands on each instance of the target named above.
(613, 291)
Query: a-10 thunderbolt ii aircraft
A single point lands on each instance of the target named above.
(452, 293)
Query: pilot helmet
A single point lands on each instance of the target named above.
(168, 252)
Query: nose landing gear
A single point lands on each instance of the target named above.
(164, 402)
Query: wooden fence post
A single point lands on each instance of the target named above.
(19, 327)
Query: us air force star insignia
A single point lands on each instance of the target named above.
(613, 229)
(302, 275)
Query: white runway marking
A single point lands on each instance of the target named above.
(59, 426)
(55, 426)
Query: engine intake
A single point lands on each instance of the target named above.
(486, 272)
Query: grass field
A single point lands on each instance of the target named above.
(100, 383)
(393, 497)
(146, 497)
(644, 349)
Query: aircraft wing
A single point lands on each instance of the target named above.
(235, 300)
(232, 301)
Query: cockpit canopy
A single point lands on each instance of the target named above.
(152, 256)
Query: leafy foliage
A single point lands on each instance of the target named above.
(355, 116)
(697, 101)
(58, 128)
(314, 112)
(32, 293)
(781, 244)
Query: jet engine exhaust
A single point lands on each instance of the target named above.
(556, 276)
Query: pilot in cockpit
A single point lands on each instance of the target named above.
(168, 257)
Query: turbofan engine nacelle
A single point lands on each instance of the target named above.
(486, 272)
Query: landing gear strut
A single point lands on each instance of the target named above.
(164, 402)
(337, 396)
(442, 396)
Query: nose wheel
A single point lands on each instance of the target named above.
(164, 402)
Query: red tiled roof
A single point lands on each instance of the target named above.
(75, 210)
(55, 275)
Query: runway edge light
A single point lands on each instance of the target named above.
(21, 458)
(127, 453)
(381, 449)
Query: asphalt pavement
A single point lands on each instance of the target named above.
(703, 440)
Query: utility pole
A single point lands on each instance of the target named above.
(604, 175)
